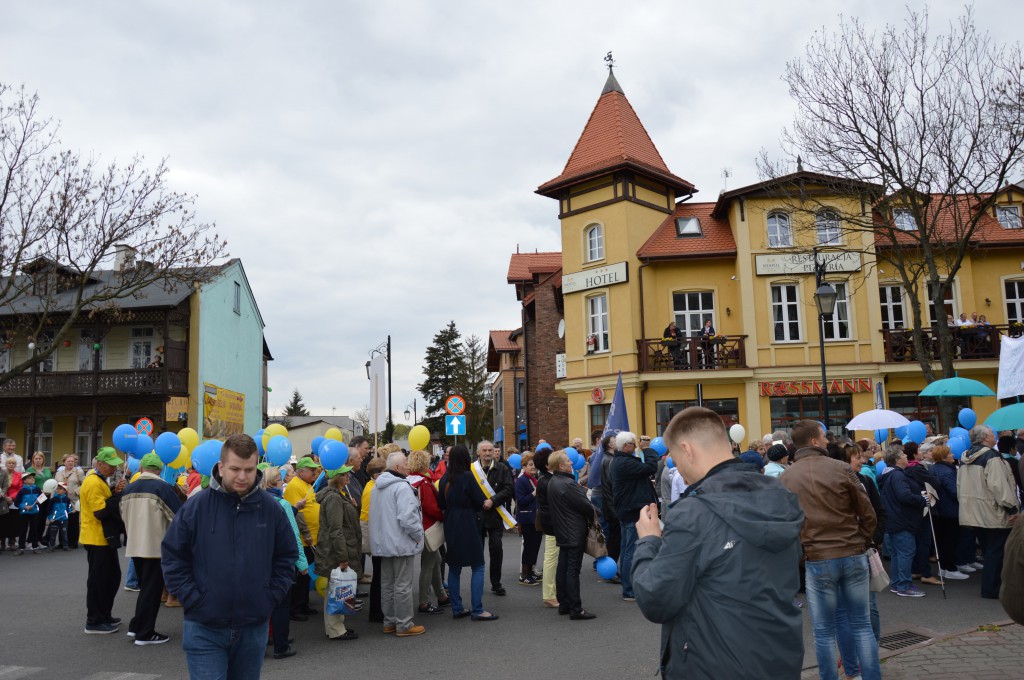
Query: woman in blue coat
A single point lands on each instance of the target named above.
(461, 499)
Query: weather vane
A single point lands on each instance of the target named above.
(608, 60)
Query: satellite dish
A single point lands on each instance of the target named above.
(561, 328)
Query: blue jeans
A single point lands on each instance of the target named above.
(847, 648)
(131, 580)
(223, 653)
(903, 545)
(831, 584)
(626, 557)
(476, 589)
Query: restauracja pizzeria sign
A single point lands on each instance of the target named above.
(788, 388)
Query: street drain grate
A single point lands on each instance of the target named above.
(901, 640)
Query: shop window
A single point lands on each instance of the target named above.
(598, 418)
(893, 316)
(785, 312)
(925, 409)
(787, 410)
(727, 409)
(594, 236)
(692, 310)
(827, 224)
(780, 232)
(837, 325)
(597, 315)
(1014, 301)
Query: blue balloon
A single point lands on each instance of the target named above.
(578, 462)
(880, 467)
(167, 446)
(958, 445)
(967, 417)
(658, 444)
(959, 432)
(606, 568)
(571, 452)
(881, 436)
(314, 447)
(543, 446)
(133, 465)
(205, 457)
(143, 445)
(516, 461)
(259, 444)
(823, 427)
(917, 431)
(279, 450)
(125, 437)
(901, 431)
(669, 463)
(333, 454)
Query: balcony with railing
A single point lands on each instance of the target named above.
(969, 342)
(116, 382)
(692, 354)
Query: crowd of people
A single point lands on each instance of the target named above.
(711, 543)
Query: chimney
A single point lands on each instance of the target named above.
(124, 257)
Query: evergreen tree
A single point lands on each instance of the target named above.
(476, 390)
(444, 372)
(295, 407)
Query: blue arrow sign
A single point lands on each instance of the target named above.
(455, 426)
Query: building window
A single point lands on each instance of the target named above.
(727, 409)
(780, 233)
(43, 343)
(692, 310)
(499, 402)
(948, 304)
(520, 397)
(903, 220)
(87, 351)
(925, 409)
(785, 312)
(142, 347)
(238, 298)
(1014, 301)
(594, 236)
(44, 438)
(827, 223)
(597, 314)
(1008, 216)
(83, 440)
(891, 298)
(5, 358)
(598, 417)
(837, 326)
(787, 410)
(688, 226)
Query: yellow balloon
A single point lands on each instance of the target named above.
(272, 431)
(335, 434)
(184, 458)
(419, 438)
(189, 438)
(321, 585)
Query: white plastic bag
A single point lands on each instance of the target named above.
(341, 590)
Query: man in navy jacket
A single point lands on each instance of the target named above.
(229, 556)
(632, 489)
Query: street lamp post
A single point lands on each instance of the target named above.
(825, 299)
(415, 417)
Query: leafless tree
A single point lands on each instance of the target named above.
(63, 215)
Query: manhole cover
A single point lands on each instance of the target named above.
(901, 640)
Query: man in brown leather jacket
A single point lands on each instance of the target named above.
(838, 525)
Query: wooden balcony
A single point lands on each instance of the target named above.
(692, 354)
(117, 382)
(972, 342)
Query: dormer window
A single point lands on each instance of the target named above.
(688, 226)
(1009, 216)
(904, 220)
(594, 240)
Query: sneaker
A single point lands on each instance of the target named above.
(910, 592)
(132, 589)
(409, 632)
(498, 590)
(152, 639)
(286, 653)
(966, 568)
(130, 633)
(954, 575)
(628, 598)
(100, 629)
(978, 566)
(528, 581)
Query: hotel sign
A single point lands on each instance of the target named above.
(803, 263)
(788, 388)
(595, 278)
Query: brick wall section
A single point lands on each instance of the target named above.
(546, 412)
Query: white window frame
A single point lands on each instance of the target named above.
(903, 219)
(790, 312)
(83, 439)
(237, 304)
(5, 358)
(840, 315)
(775, 240)
(43, 341)
(1009, 216)
(593, 243)
(139, 341)
(683, 316)
(597, 321)
(44, 439)
(1014, 304)
(86, 351)
(827, 221)
(951, 301)
(889, 306)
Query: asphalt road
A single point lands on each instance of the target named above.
(42, 615)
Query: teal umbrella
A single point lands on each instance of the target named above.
(1007, 418)
(957, 387)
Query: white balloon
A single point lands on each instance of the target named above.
(737, 433)
(50, 487)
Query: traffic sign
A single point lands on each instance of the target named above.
(455, 426)
(455, 405)
(144, 426)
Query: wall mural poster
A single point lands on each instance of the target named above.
(223, 412)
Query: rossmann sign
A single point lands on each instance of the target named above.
(789, 388)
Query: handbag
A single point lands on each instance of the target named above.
(879, 579)
(595, 542)
(433, 537)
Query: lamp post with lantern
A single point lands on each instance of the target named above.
(825, 299)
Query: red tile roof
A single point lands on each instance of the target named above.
(716, 239)
(947, 225)
(613, 138)
(523, 266)
(503, 342)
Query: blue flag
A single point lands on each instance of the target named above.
(618, 419)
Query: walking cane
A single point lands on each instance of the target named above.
(935, 542)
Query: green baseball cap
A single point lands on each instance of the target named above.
(263, 466)
(109, 456)
(306, 462)
(331, 474)
(151, 461)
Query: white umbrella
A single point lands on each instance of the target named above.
(877, 419)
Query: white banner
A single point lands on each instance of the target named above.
(378, 393)
(1011, 367)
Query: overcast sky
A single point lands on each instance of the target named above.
(373, 163)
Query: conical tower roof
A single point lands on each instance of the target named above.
(614, 138)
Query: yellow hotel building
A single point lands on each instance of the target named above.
(638, 253)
